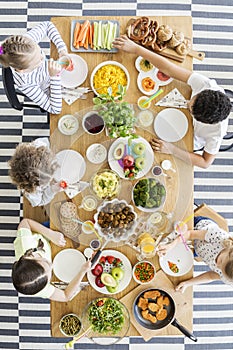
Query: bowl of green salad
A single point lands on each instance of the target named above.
(107, 320)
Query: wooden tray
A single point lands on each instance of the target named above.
(183, 307)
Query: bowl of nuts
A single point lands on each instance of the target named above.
(115, 220)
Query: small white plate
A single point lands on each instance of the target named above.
(71, 79)
(67, 264)
(181, 257)
(68, 124)
(72, 166)
(96, 153)
(170, 125)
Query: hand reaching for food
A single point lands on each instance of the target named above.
(161, 146)
(125, 44)
(181, 287)
(163, 249)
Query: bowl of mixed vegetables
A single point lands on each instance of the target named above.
(107, 320)
(149, 194)
(143, 272)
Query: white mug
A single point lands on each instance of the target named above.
(167, 165)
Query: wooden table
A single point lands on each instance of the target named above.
(179, 186)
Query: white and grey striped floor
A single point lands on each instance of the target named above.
(25, 322)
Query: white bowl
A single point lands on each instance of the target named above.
(105, 63)
(140, 262)
(68, 124)
(96, 153)
(88, 114)
(69, 316)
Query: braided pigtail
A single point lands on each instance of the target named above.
(16, 50)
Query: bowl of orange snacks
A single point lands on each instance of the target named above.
(143, 272)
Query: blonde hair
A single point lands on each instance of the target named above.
(32, 166)
(17, 51)
(228, 268)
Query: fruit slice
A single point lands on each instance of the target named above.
(108, 280)
(98, 282)
(112, 289)
(140, 163)
(98, 269)
(119, 151)
(139, 148)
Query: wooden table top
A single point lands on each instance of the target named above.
(179, 185)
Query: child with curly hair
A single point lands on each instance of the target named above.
(38, 78)
(32, 168)
(213, 245)
(209, 106)
(31, 273)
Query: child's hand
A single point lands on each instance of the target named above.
(63, 53)
(162, 249)
(161, 146)
(125, 44)
(181, 286)
(54, 68)
(57, 238)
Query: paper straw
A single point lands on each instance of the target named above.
(186, 220)
(182, 236)
(157, 93)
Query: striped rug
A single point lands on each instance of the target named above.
(24, 321)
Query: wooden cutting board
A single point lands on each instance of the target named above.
(182, 302)
(170, 53)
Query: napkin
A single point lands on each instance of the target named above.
(70, 95)
(74, 189)
(173, 99)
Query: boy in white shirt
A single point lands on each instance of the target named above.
(209, 106)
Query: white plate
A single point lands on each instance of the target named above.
(127, 272)
(96, 153)
(72, 166)
(114, 63)
(72, 123)
(67, 264)
(115, 164)
(181, 257)
(170, 125)
(78, 75)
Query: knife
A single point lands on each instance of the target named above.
(97, 255)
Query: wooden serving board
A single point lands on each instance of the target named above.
(182, 302)
(170, 53)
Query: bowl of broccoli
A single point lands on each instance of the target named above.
(149, 194)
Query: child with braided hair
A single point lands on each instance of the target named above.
(38, 78)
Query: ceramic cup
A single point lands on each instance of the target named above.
(167, 165)
(157, 171)
(66, 63)
(141, 100)
(89, 203)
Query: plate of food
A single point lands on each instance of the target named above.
(115, 220)
(130, 161)
(76, 76)
(72, 166)
(149, 78)
(67, 263)
(149, 194)
(109, 74)
(170, 125)
(68, 124)
(97, 35)
(111, 274)
(178, 261)
(107, 320)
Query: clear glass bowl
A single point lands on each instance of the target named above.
(108, 320)
(105, 184)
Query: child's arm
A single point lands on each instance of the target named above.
(43, 196)
(34, 226)
(47, 29)
(73, 287)
(162, 63)
(205, 277)
(188, 235)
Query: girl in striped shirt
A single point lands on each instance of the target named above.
(36, 77)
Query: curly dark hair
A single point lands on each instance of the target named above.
(211, 107)
(32, 166)
(28, 276)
